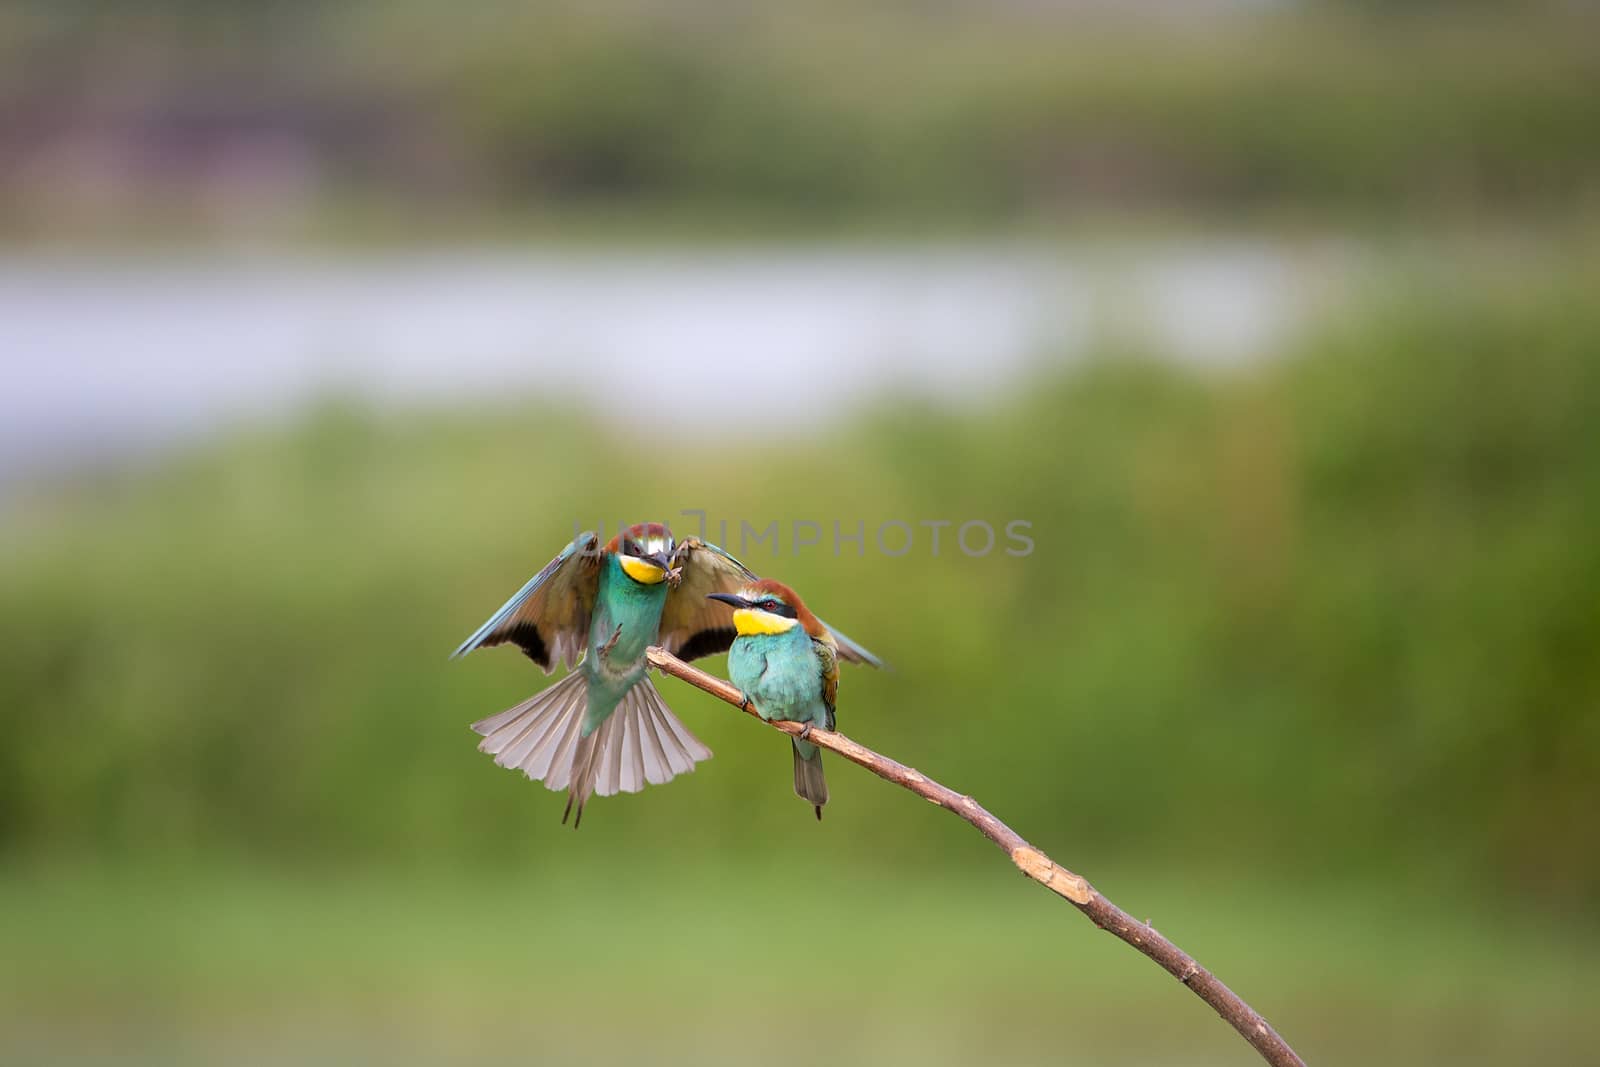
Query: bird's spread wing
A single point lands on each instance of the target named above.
(549, 617)
(691, 625)
(828, 653)
(848, 650)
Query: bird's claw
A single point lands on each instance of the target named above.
(805, 732)
(744, 701)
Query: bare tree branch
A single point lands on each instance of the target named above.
(1031, 862)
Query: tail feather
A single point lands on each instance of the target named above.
(680, 747)
(526, 735)
(652, 754)
(553, 760)
(547, 726)
(809, 783)
(639, 743)
(634, 752)
(608, 759)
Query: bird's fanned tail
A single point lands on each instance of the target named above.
(809, 784)
(640, 742)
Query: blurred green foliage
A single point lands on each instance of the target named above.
(1303, 666)
(949, 115)
(604, 958)
(1330, 613)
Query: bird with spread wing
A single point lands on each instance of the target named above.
(603, 728)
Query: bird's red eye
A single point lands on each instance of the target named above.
(769, 605)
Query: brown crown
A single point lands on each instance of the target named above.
(639, 531)
(764, 586)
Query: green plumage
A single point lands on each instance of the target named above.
(790, 677)
(626, 618)
(604, 729)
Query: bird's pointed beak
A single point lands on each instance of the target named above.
(729, 598)
(666, 562)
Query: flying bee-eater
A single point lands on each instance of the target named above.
(604, 728)
(786, 663)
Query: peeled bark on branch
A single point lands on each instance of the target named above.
(1031, 862)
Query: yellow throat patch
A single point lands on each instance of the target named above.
(641, 570)
(752, 621)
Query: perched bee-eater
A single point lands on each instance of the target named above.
(786, 663)
(604, 728)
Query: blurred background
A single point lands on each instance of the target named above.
(322, 327)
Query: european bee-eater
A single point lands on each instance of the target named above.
(604, 728)
(786, 663)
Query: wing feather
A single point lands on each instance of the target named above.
(548, 618)
(828, 654)
(691, 625)
(848, 650)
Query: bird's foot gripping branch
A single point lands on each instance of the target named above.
(1029, 860)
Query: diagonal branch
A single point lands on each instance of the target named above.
(1031, 862)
